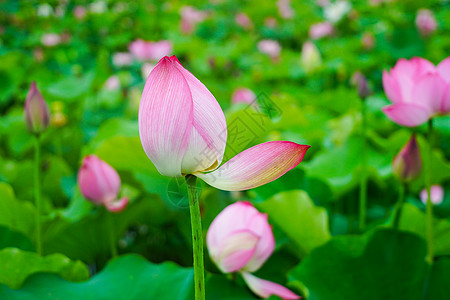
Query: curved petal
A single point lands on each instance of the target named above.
(256, 166)
(117, 205)
(429, 91)
(444, 69)
(445, 105)
(391, 88)
(236, 251)
(165, 117)
(407, 114)
(265, 288)
(208, 119)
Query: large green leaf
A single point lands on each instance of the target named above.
(128, 277)
(11, 238)
(71, 88)
(16, 265)
(385, 264)
(294, 212)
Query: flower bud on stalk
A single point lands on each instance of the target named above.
(407, 165)
(37, 115)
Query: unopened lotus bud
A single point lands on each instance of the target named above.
(363, 87)
(407, 165)
(37, 115)
(426, 22)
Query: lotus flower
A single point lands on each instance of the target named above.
(270, 47)
(437, 195)
(320, 30)
(144, 50)
(243, 95)
(285, 9)
(418, 91)
(243, 20)
(100, 184)
(37, 114)
(241, 240)
(426, 22)
(407, 164)
(183, 131)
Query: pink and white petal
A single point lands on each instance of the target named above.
(256, 166)
(429, 91)
(444, 69)
(165, 117)
(236, 250)
(266, 243)
(407, 114)
(117, 205)
(445, 105)
(265, 288)
(423, 66)
(391, 88)
(208, 117)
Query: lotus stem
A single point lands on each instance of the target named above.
(429, 204)
(37, 194)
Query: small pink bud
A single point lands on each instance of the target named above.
(100, 184)
(425, 22)
(270, 47)
(243, 20)
(367, 41)
(121, 59)
(243, 95)
(363, 87)
(285, 9)
(51, 39)
(407, 165)
(437, 195)
(37, 114)
(320, 30)
(79, 12)
(112, 83)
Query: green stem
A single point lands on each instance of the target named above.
(37, 194)
(399, 205)
(197, 238)
(363, 182)
(429, 204)
(112, 234)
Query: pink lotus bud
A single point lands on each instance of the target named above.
(37, 114)
(243, 20)
(100, 184)
(437, 195)
(50, 39)
(310, 57)
(121, 59)
(112, 83)
(362, 87)
(425, 22)
(146, 69)
(285, 9)
(418, 90)
(407, 165)
(241, 239)
(319, 30)
(79, 12)
(270, 47)
(367, 41)
(243, 95)
(144, 50)
(190, 16)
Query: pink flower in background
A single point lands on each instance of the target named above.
(144, 50)
(112, 83)
(437, 195)
(190, 16)
(367, 41)
(121, 59)
(50, 39)
(243, 95)
(243, 20)
(37, 114)
(183, 131)
(146, 69)
(320, 30)
(270, 22)
(79, 12)
(418, 90)
(335, 11)
(425, 22)
(100, 184)
(240, 239)
(270, 47)
(285, 9)
(322, 3)
(407, 164)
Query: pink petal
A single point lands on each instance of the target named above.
(236, 250)
(165, 117)
(437, 195)
(445, 106)
(391, 88)
(256, 166)
(407, 114)
(208, 121)
(265, 288)
(117, 205)
(429, 91)
(444, 69)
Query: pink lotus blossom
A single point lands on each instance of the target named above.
(243, 20)
(144, 50)
(243, 95)
(100, 184)
(37, 114)
(270, 47)
(183, 131)
(121, 59)
(437, 195)
(240, 239)
(285, 9)
(425, 22)
(320, 30)
(418, 91)
(112, 83)
(79, 12)
(50, 39)
(146, 69)
(407, 164)
(190, 16)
